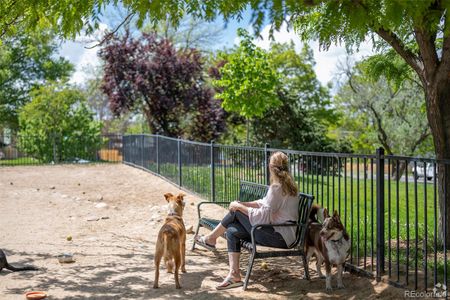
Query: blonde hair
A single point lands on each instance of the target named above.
(279, 173)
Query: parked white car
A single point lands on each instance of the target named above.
(421, 172)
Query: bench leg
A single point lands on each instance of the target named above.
(196, 233)
(249, 270)
(306, 267)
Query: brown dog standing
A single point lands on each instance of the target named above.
(330, 243)
(171, 243)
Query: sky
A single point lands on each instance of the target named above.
(326, 61)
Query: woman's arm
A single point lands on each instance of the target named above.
(237, 206)
(265, 213)
(254, 204)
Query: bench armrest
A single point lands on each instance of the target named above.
(208, 202)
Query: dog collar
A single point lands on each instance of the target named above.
(338, 240)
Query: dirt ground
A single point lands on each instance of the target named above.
(41, 206)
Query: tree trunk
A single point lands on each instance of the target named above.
(397, 174)
(248, 132)
(438, 113)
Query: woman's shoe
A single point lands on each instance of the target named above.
(229, 283)
(201, 240)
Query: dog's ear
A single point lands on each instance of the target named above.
(168, 195)
(325, 213)
(335, 214)
(180, 198)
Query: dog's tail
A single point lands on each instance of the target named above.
(170, 239)
(316, 214)
(166, 241)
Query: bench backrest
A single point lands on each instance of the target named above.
(304, 209)
(249, 191)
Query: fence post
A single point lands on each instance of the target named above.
(124, 149)
(213, 177)
(380, 212)
(179, 161)
(142, 150)
(54, 148)
(157, 153)
(266, 164)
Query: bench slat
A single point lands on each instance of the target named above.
(249, 191)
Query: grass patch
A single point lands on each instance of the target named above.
(20, 161)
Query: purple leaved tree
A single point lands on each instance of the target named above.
(149, 74)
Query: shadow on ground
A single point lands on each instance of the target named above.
(131, 276)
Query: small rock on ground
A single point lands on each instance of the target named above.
(101, 205)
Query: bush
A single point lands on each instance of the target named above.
(58, 126)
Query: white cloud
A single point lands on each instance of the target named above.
(326, 61)
(83, 58)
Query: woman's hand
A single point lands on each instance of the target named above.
(237, 206)
(234, 206)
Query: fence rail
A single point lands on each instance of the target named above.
(388, 204)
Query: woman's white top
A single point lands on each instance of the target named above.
(276, 208)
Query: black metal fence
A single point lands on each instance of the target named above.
(48, 149)
(388, 204)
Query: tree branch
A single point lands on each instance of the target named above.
(109, 35)
(427, 50)
(6, 25)
(382, 136)
(410, 58)
(420, 140)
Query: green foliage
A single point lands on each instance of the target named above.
(289, 126)
(248, 80)
(388, 65)
(299, 81)
(66, 16)
(396, 22)
(27, 61)
(328, 21)
(304, 112)
(58, 124)
(301, 119)
(378, 112)
(137, 125)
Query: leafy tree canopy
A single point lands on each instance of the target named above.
(149, 74)
(298, 80)
(380, 113)
(248, 80)
(27, 61)
(57, 124)
(305, 111)
(329, 21)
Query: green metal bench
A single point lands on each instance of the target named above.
(250, 192)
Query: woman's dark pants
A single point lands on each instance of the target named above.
(238, 229)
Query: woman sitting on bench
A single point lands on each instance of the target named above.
(278, 207)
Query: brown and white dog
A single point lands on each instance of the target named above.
(329, 242)
(171, 243)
